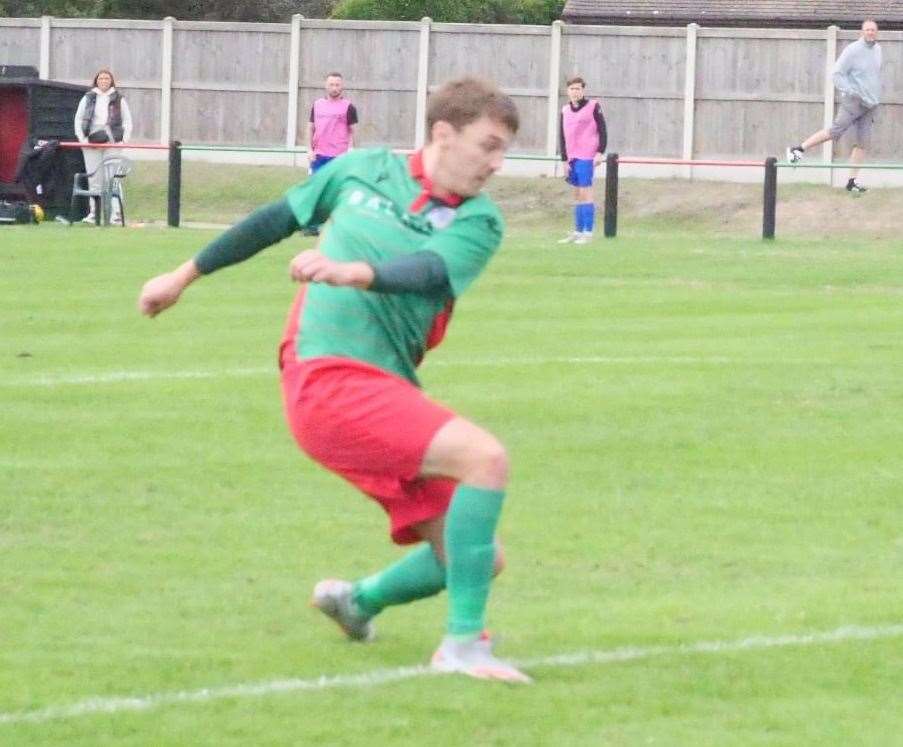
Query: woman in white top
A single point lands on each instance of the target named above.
(103, 116)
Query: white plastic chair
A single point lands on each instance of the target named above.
(111, 172)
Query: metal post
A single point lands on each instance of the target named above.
(611, 195)
(175, 183)
(770, 197)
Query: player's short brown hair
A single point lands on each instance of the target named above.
(464, 100)
(576, 79)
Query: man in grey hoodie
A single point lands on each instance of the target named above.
(857, 75)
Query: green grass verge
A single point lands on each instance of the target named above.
(221, 193)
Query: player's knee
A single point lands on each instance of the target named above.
(489, 462)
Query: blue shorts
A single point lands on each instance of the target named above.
(319, 162)
(580, 173)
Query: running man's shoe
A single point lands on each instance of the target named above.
(475, 659)
(570, 238)
(856, 189)
(794, 154)
(333, 598)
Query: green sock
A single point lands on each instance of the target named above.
(417, 575)
(470, 555)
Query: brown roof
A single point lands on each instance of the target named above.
(762, 13)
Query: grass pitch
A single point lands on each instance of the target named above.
(705, 435)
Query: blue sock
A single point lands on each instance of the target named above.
(578, 217)
(589, 216)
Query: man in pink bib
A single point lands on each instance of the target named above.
(583, 138)
(330, 130)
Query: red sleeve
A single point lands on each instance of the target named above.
(440, 325)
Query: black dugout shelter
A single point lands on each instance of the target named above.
(33, 110)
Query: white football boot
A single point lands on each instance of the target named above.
(333, 598)
(475, 659)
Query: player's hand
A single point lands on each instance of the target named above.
(312, 266)
(161, 292)
(597, 159)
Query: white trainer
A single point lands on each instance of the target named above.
(570, 238)
(794, 155)
(584, 237)
(475, 659)
(333, 598)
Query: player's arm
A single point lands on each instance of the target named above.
(310, 135)
(264, 227)
(77, 124)
(422, 272)
(602, 129)
(841, 72)
(465, 247)
(562, 143)
(126, 120)
(351, 121)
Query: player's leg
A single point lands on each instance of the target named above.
(93, 157)
(857, 156)
(418, 575)
(116, 205)
(816, 138)
(367, 448)
(850, 110)
(575, 234)
(863, 131)
(795, 153)
(479, 462)
(586, 205)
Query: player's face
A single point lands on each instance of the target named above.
(870, 31)
(575, 92)
(104, 81)
(469, 156)
(334, 86)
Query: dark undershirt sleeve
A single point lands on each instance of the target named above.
(262, 228)
(561, 142)
(422, 272)
(600, 125)
(352, 115)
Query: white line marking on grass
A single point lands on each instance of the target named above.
(378, 677)
(119, 377)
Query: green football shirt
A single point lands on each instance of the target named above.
(366, 196)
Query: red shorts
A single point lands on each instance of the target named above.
(372, 428)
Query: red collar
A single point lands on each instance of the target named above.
(415, 163)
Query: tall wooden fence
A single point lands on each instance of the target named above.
(678, 92)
